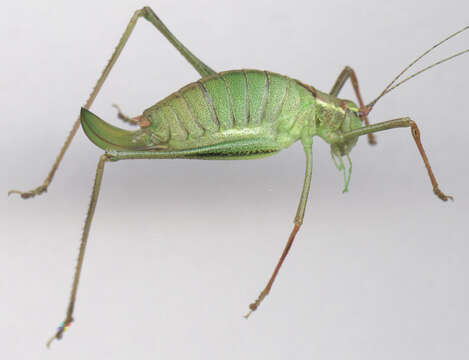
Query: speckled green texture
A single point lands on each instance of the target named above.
(236, 84)
(231, 114)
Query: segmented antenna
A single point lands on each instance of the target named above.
(390, 86)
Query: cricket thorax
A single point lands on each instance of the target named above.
(334, 117)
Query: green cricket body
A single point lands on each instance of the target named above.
(236, 114)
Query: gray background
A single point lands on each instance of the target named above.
(178, 249)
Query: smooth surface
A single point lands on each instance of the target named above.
(178, 248)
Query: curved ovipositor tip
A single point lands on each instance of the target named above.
(109, 137)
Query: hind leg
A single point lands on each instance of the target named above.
(148, 14)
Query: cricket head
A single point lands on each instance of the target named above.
(352, 121)
(345, 139)
(342, 146)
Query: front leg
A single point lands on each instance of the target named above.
(346, 74)
(395, 123)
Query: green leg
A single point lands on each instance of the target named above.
(201, 68)
(346, 74)
(196, 153)
(300, 213)
(149, 15)
(401, 122)
(84, 239)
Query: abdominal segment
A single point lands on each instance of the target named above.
(229, 106)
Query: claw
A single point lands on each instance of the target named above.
(247, 315)
(442, 196)
(58, 335)
(28, 194)
(252, 308)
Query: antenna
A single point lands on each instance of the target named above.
(390, 86)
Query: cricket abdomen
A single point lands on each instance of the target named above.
(230, 106)
(233, 114)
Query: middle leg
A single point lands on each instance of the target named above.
(300, 213)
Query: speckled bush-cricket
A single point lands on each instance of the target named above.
(237, 114)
